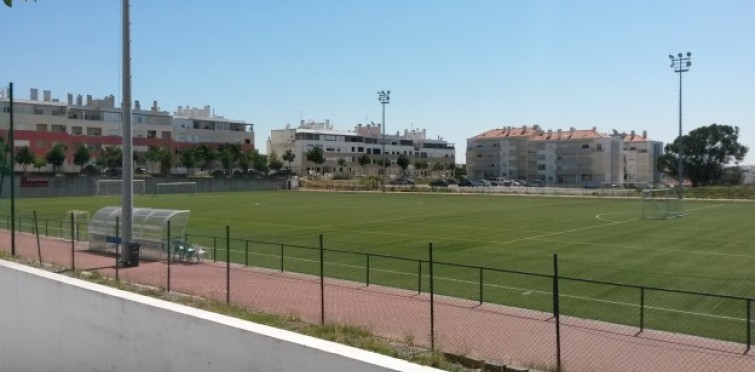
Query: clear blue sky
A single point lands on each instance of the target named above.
(456, 68)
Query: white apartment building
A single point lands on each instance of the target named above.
(573, 157)
(195, 125)
(364, 140)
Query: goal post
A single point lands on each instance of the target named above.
(114, 187)
(176, 188)
(74, 222)
(659, 204)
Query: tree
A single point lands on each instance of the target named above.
(56, 156)
(403, 162)
(316, 155)
(166, 161)
(421, 165)
(228, 158)
(244, 161)
(438, 167)
(81, 156)
(206, 155)
(189, 159)
(289, 156)
(153, 155)
(364, 160)
(24, 156)
(341, 162)
(706, 150)
(259, 161)
(39, 162)
(274, 162)
(110, 157)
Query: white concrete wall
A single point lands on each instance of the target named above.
(49, 322)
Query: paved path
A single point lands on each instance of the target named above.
(485, 331)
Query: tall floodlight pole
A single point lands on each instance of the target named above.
(680, 64)
(127, 190)
(385, 98)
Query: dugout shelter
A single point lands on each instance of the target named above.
(150, 229)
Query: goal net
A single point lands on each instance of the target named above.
(114, 187)
(176, 188)
(659, 204)
(75, 224)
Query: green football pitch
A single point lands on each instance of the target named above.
(709, 250)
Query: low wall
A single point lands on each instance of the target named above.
(50, 322)
(85, 185)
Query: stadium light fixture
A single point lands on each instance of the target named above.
(680, 65)
(385, 98)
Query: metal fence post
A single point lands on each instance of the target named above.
(749, 324)
(36, 232)
(322, 283)
(419, 276)
(214, 249)
(481, 285)
(227, 264)
(73, 247)
(432, 301)
(246, 253)
(642, 309)
(46, 233)
(169, 246)
(367, 279)
(281, 257)
(556, 311)
(117, 245)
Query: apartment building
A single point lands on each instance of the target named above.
(352, 145)
(96, 123)
(569, 157)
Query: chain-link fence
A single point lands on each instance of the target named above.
(544, 318)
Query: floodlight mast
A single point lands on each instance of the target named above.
(680, 64)
(127, 191)
(385, 98)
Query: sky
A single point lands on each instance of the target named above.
(455, 68)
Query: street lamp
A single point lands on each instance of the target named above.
(385, 98)
(680, 64)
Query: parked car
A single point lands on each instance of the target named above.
(438, 183)
(402, 181)
(538, 183)
(466, 183)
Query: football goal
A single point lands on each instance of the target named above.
(176, 188)
(114, 187)
(659, 204)
(75, 222)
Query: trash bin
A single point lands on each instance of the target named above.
(131, 258)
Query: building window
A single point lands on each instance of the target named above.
(541, 167)
(42, 127)
(151, 134)
(360, 149)
(599, 147)
(585, 146)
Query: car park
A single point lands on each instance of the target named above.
(466, 183)
(438, 183)
(402, 181)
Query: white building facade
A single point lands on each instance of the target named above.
(365, 141)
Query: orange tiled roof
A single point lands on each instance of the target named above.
(508, 132)
(569, 134)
